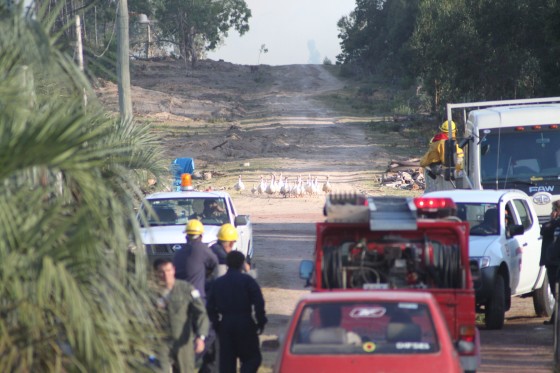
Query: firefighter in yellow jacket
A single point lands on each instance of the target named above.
(435, 156)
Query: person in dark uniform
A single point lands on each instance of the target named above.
(185, 319)
(231, 301)
(550, 249)
(195, 262)
(490, 224)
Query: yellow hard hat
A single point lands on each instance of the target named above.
(227, 233)
(445, 127)
(194, 227)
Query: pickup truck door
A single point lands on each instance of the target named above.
(529, 245)
(242, 230)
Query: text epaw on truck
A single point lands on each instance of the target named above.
(377, 244)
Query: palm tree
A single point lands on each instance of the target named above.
(68, 185)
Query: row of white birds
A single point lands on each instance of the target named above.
(284, 186)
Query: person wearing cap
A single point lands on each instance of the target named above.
(550, 249)
(435, 156)
(227, 237)
(184, 319)
(213, 210)
(195, 262)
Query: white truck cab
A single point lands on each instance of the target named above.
(505, 244)
(162, 228)
(509, 144)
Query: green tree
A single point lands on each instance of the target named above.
(479, 50)
(199, 25)
(376, 33)
(69, 181)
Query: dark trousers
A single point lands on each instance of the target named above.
(239, 339)
(552, 275)
(211, 354)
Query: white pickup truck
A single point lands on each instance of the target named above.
(163, 232)
(505, 246)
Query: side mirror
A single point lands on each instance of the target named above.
(515, 230)
(306, 270)
(241, 220)
(464, 142)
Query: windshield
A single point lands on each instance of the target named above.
(482, 218)
(365, 328)
(210, 211)
(518, 155)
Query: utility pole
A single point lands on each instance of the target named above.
(123, 70)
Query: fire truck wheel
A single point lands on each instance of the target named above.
(543, 300)
(496, 306)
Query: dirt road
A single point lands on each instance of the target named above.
(270, 122)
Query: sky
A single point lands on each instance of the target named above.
(293, 31)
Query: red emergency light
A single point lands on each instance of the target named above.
(536, 128)
(435, 207)
(553, 126)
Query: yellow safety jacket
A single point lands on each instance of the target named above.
(436, 153)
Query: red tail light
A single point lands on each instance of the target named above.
(466, 345)
(435, 207)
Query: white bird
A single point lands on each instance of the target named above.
(285, 187)
(315, 186)
(262, 186)
(308, 188)
(272, 187)
(239, 186)
(254, 189)
(327, 188)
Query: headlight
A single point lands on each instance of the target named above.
(483, 261)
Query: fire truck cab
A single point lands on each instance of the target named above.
(398, 243)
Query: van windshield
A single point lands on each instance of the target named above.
(510, 155)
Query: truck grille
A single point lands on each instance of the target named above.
(163, 248)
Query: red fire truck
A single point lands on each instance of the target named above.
(418, 244)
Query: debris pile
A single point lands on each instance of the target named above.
(404, 175)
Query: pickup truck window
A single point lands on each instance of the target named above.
(210, 211)
(364, 328)
(482, 218)
(523, 212)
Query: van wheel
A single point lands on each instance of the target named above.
(496, 306)
(543, 300)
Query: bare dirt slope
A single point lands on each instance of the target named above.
(235, 121)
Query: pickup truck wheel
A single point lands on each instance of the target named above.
(543, 300)
(496, 306)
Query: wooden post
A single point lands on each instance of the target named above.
(123, 63)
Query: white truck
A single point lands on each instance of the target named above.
(508, 144)
(162, 231)
(504, 250)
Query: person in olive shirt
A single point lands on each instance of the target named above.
(184, 317)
